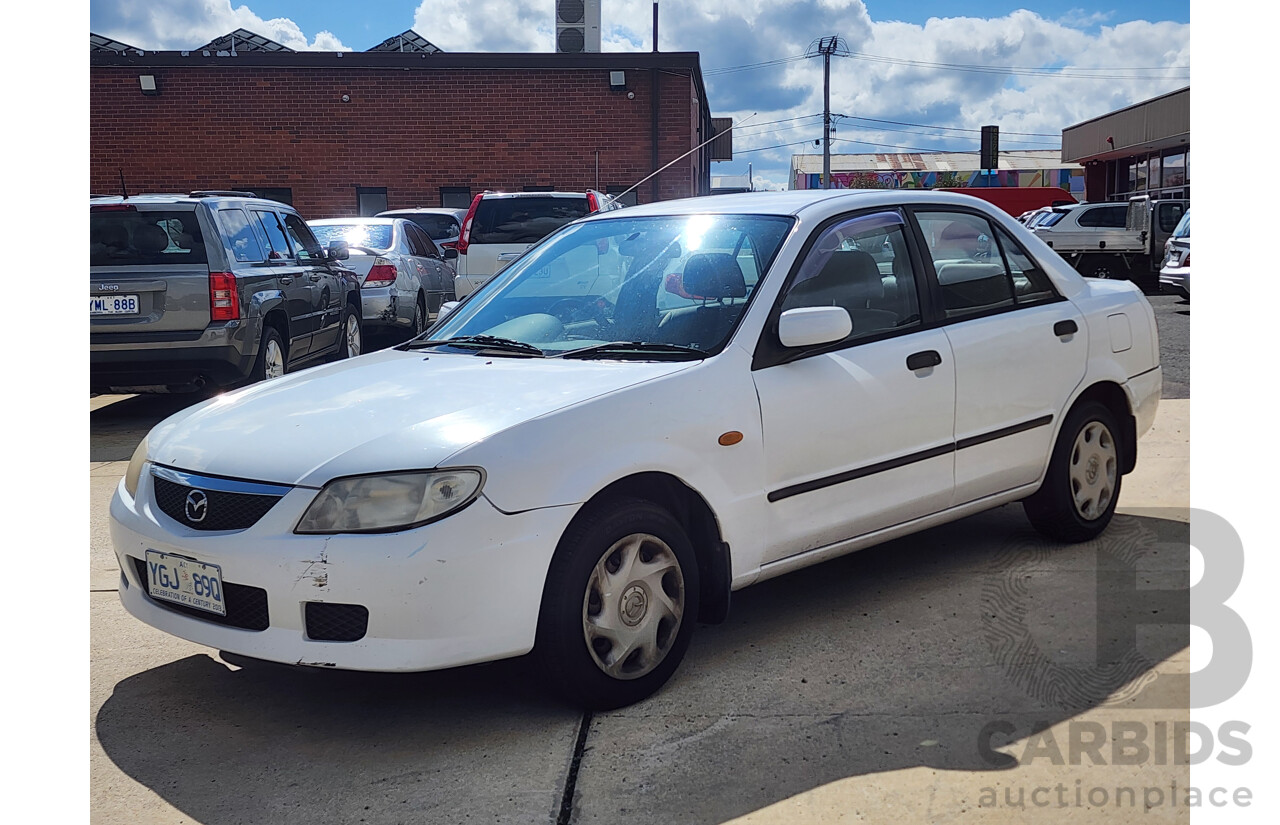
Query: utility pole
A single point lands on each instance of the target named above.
(826, 46)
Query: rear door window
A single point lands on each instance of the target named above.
(129, 237)
(304, 243)
(244, 243)
(419, 242)
(523, 220)
(270, 223)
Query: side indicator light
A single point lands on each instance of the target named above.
(730, 438)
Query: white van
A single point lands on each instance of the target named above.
(500, 226)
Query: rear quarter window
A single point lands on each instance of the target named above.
(127, 237)
(1107, 217)
(523, 220)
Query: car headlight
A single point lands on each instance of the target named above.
(394, 501)
(134, 473)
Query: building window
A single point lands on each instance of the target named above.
(455, 197)
(280, 194)
(1175, 170)
(1140, 169)
(370, 200)
(1153, 175)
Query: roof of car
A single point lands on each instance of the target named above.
(354, 219)
(178, 197)
(790, 202)
(433, 210)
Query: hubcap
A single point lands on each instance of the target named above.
(274, 360)
(353, 336)
(1093, 471)
(633, 606)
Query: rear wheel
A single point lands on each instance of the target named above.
(351, 342)
(419, 318)
(1082, 485)
(620, 601)
(272, 360)
(1109, 267)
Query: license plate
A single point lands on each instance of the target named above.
(185, 581)
(113, 304)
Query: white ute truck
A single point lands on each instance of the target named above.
(1114, 240)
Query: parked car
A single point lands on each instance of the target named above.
(404, 276)
(1113, 240)
(211, 289)
(500, 226)
(1175, 270)
(652, 408)
(443, 225)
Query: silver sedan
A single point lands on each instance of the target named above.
(404, 276)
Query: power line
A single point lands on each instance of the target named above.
(1074, 71)
(947, 128)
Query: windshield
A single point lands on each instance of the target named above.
(678, 282)
(1183, 229)
(366, 235)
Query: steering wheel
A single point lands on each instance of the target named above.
(569, 310)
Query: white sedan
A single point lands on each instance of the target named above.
(653, 408)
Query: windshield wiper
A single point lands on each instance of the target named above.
(640, 347)
(491, 342)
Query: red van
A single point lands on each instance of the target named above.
(1017, 199)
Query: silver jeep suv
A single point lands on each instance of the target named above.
(211, 289)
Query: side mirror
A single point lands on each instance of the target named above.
(446, 308)
(339, 251)
(811, 326)
(449, 254)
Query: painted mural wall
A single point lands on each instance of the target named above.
(1071, 180)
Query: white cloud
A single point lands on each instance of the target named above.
(188, 24)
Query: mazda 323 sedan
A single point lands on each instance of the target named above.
(650, 409)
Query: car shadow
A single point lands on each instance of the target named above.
(117, 427)
(899, 656)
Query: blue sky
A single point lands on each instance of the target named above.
(933, 69)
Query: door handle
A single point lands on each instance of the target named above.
(286, 280)
(314, 277)
(923, 360)
(1067, 327)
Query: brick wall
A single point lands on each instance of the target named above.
(410, 130)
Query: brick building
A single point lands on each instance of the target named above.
(345, 133)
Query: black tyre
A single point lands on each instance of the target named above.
(351, 336)
(1109, 267)
(419, 318)
(1082, 485)
(619, 605)
(272, 356)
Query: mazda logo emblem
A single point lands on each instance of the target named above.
(197, 506)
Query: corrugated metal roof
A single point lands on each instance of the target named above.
(1024, 160)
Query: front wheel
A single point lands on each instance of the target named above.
(1082, 485)
(351, 342)
(619, 605)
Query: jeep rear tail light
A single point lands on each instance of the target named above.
(224, 301)
(383, 273)
(464, 240)
(593, 205)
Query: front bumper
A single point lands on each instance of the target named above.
(1176, 279)
(465, 589)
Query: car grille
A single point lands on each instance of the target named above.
(221, 510)
(327, 622)
(246, 606)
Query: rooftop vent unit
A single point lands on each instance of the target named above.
(577, 26)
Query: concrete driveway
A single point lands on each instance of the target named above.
(916, 681)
